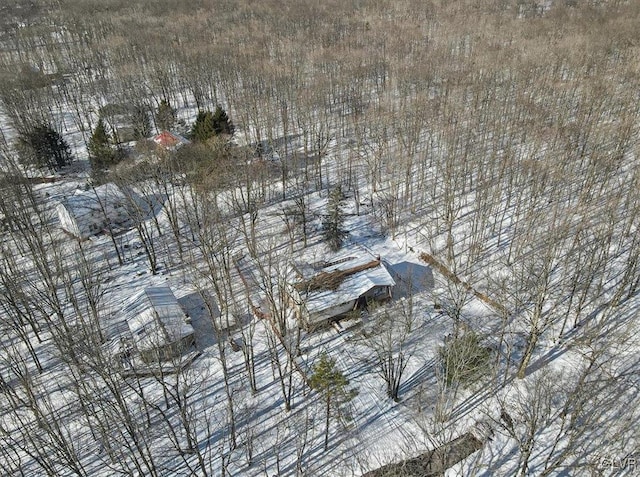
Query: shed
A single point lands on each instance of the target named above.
(158, 325)
(169, 140)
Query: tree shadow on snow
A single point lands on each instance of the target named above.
(152, 204)
(410, 278)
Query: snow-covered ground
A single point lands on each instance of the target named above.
(378, 430)
(529, 249)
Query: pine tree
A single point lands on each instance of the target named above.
(332, 384)
(165, 116)
(101, 152)
(204, 127)
(221, 122)
(464, 359)
(334, 234)
(44, 147)
(208, 125)
(99, 146)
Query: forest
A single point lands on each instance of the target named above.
(481, 151)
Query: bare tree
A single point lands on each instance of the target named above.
(388, 334)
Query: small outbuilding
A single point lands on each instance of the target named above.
(159, 327)
(335, 288)
(169, 140)
(100, 209)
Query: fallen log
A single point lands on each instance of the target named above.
(434, 462)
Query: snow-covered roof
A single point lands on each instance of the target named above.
(170, 140)
(91, 198)
(347, 277)
(156, 319)
(92, 209)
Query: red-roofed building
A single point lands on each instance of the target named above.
(169, 140)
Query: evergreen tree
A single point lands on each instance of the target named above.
(210, 124)
(204, 127)
(44, 147)
(333, 232)
(99, 146)
(101, 152)
(165, 116)
(221, 122)
(332, 385)
(464, 359)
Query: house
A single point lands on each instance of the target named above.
(170, 141)
(103, 208)
(337, 287)
(158, 325)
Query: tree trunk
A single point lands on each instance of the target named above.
(326, 424)
(528, 352)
